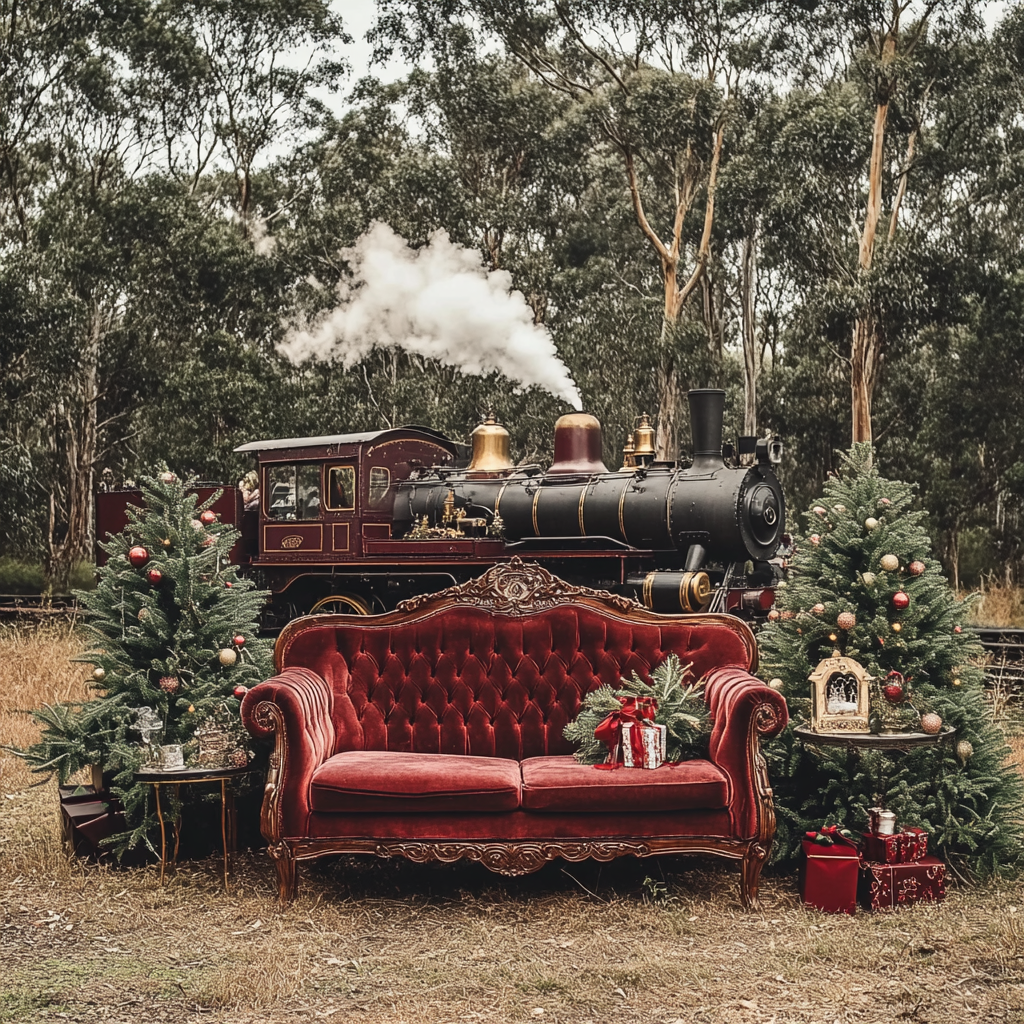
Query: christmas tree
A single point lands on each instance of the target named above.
(176, 646)
(863, 585)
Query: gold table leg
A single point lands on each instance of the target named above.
(163, 833)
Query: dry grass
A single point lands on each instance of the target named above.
(390, 941)
(999, 605)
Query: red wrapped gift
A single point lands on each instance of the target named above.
(888, 886)
(905, 847)
(828, 876)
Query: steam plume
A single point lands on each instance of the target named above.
(437, 301)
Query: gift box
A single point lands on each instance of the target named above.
(828, 876)
(904, 847)
(888, 886)
(644, 744)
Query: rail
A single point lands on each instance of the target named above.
(36, 607)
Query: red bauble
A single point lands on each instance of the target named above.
(958, 629)
(155, 576)
(773, 615)
(894, 689)
(900, 600)
(931, 723)
(238, 641)
(916, 567)
(169, 684)
(228, 583)
(208, 518)
(240, 691)
(138, 556)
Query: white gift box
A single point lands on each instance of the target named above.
(654, 741)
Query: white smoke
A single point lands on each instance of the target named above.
(437, 301)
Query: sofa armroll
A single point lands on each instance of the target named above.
(296, 708)
(743, 711)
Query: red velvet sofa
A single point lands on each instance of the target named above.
(434, 732)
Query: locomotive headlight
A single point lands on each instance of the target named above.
(768, 450)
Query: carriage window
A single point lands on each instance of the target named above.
(293, 491)
(341, 488)
(380, 481)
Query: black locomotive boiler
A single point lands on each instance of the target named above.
(695, 536)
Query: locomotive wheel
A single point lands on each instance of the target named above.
(340, 604)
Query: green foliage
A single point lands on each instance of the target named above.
(156, 647)
(680, 708)
(969, 798)
(20, 577)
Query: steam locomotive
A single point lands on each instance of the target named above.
(358, 522)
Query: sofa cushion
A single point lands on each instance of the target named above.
(397, 782)
(563, 784)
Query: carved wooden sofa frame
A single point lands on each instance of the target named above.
(295, 706)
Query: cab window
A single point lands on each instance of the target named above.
(380, 481)
(341, 488)
(293, 491)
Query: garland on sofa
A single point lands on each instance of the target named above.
(679, 706)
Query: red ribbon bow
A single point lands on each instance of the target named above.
(635, 711)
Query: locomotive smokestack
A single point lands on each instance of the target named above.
(707, 408)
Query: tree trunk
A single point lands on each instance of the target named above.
(666, 436)
(70, 534)
(865, 359)
(751, 362)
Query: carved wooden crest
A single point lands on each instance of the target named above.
(517, 588)
(840, 696)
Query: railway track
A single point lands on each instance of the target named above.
(1004, 672)
(35, 607)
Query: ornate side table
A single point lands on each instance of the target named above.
(881, 742)
(190, 776)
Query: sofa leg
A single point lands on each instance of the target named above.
(287, 872)
(750, 874)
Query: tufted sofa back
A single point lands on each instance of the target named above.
(468, 680)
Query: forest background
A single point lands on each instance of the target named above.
(817, 206)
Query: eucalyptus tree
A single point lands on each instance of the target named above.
(96, 101)
(657, 82)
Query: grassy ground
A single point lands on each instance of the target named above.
(390, 941)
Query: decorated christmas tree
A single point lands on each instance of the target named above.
(175, 647)
(863, 585)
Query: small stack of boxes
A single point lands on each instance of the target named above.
(882, 870)
(896, 869)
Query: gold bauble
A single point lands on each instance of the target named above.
(896, 627)
(964, 750)
(99, 674)
(846, 620)
(191, 708)
(776, 684)
(890, 563)
(227, 656)
(871, 523)
(166, 542)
